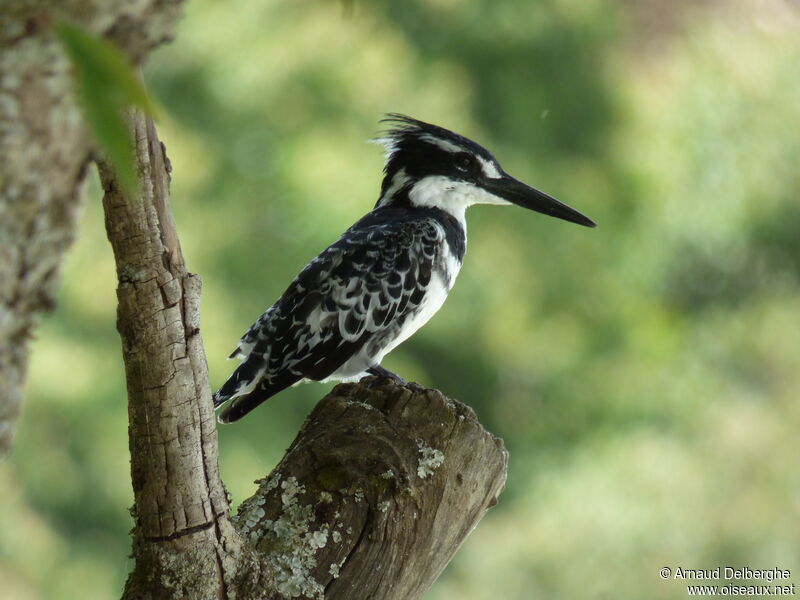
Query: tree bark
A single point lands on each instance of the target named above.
(183, 539)
(45, 151)
(373, 498)
(376, 493)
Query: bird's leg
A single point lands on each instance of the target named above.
(379, 371)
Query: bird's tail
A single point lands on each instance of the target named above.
(246, 389)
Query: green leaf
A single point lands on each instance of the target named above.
(107, 84)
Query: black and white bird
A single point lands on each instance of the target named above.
(384, 277)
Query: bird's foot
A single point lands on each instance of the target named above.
(379, 371)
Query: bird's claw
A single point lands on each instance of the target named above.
(382, 373)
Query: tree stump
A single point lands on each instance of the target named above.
(376, 493)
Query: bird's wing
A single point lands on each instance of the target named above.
(366, 283)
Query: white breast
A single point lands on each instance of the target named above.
(442, 280)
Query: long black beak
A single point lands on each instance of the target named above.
(523, 195)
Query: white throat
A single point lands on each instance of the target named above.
(453, 197)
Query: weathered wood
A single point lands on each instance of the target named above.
(184, 544)
(376, 493)
(373, 498)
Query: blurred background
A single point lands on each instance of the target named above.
(645, 375)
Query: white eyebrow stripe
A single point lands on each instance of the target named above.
(443, 144)
(489, 169)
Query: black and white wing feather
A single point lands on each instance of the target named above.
(340, 312)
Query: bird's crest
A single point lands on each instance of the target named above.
(404, 130)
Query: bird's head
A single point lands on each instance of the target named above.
(429, 166)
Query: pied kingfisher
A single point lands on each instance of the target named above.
(386, 275)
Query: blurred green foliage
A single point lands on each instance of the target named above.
(645, 375)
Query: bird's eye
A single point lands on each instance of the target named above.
(464, 162)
